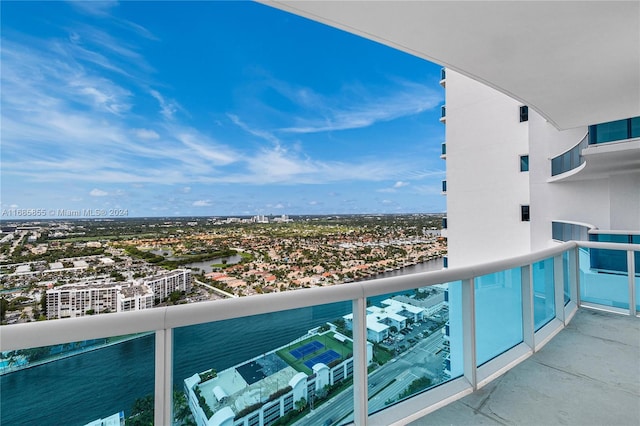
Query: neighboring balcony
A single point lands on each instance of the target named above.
(443, 114)
(259, 358)
(444, 187)
(606, 149)
(443, 77)
(443, 153)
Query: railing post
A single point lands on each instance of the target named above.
(528, 322)
(558, 285)
(360, 391)
(574, 275)
(631, 268)
(469, 332)
(163, 377)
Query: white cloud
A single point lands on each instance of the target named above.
(346, 111)
(400, 184)
(95, 192)
(202, 203)
(146, 134)
(167, 108)
(259, 133)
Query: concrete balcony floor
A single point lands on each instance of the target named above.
(588, 374)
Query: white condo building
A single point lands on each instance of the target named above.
(88, 298)
(91, 298)
(165, 284)
(516, 184)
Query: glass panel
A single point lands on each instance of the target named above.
(609, 288)
(524, 163)
(80, 382)
(543, 293)
(556, 166)
(565, 277)
(411, 335)
(444, 186)
(498, 313)
(270, 366)
(636, 257)
(613, 131)
(635, 127)
(444, 149)
(609, 260)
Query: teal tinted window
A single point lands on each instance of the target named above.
(614, 131)
(635, 127)
(524, 163)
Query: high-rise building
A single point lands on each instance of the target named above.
(517, 184)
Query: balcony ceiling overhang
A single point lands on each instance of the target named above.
(574, 62)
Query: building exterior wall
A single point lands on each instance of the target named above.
(485, 187)
(164, 285)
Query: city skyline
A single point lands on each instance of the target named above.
(211, 108)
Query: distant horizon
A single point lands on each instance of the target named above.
(114, 219)
(170, 109)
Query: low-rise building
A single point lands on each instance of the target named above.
(263, 389)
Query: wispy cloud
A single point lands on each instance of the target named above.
(95, 192)
(146, 134)
(167, 107)
(202, 203)
(263, 134)
(361, 109)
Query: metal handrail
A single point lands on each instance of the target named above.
(53, 332)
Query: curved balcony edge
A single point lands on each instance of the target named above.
(52, 332)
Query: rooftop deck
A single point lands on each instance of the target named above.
(589, 374)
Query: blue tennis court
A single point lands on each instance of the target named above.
(306, 349)
(325, 358)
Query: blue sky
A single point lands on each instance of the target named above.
(211, 108)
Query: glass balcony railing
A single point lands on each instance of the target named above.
(373, 351)
(614, 131)
(504, 289)
(568, 231)
(570, 159)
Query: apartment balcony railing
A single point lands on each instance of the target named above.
(570, 159)
(537, 294)
(443, 113)
(614, 131)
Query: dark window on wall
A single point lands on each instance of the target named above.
(524, 213)
(524, 113)
(524, 163)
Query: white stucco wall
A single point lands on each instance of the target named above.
(485, 139)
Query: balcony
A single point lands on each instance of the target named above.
(443, 153)
(535, 390)
(606, 149)
(230, 349)
(443, 114)
(443, 77)
(444, 187)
